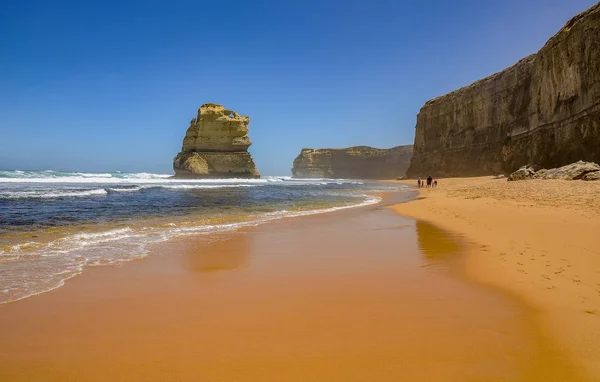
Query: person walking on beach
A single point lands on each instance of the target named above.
(434, 183)
(429, 180)
(419, 182)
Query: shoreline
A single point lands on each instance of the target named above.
(139, 236)
(350, 295)
(533, 239)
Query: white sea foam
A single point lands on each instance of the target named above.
(74, 175)
(90, 238)
(66, 192)
(95, 175)
(50, 176)
(52, 184)
(47, 194)
(132, 180)
(179, 187)
(125, 189)
(205, 186)
(19, 247)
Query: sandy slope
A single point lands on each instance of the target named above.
(539, 239)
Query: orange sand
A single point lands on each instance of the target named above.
(539, 240)
(358, 295)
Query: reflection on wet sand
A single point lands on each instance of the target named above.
(436, 244)
(220, 254)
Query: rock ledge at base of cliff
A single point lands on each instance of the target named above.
(542, 111)
(581, 170)
(216, 146)
(359, 162)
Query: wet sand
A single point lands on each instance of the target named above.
(537, 239)
(355, 295)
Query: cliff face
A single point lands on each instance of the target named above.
(544, 110)
(216, 146)
(361, 162)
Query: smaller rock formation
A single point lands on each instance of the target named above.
(574, 171)
(216, 146)
(359, 162)
(524, 173)
(592, 176)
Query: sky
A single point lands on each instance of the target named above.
(112, 85)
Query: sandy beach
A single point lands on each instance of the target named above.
(228, 193)
(535, 239)
(355, 295)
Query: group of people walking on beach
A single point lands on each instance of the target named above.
(430, 182)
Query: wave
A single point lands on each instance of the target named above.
(45, 194)
(29, 174)
(51, 176)
(125, 189)
(140, 181)
(50, 193)
(205, 186)
(178, 187)
(67, 193)
(126, 180)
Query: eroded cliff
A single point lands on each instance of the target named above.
(544, 110)
(360, 162)
(216, 146)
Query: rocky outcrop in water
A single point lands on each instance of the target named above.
(360, 162)
(216, 146)
(544, 110)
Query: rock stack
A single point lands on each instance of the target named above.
(216, 146)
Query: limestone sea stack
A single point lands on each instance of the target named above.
(543, 111)
(216, 146)
(360, 162)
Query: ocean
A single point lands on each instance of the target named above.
(54, 225)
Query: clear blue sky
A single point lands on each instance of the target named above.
(112, 85)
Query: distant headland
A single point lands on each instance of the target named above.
(359, 162)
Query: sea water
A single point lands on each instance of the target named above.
(55, 224)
